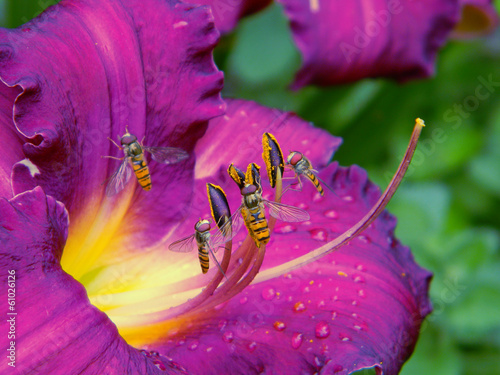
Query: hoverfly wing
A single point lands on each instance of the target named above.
(285, 212)
(167, 155)
(184, 245)
(227, 232)
(215, 259)
(119, 179)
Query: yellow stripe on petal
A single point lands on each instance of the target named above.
(86, 244)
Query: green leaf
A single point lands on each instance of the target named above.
(435, 354)
(263, 49)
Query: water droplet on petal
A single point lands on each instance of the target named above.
(160, 365)
(243, 300)
(297, 340)
(317, 197)
(321, 304)
(322, 330)
(344, 337)
(155, 354)
(144, 352)
(361, 293)
(252, 346)
(222, 324)
(364, 238)
(284, 229)
(319, 234)
(337, 368)
(194, 345)
(228, 336)
(303, 206)
(299, 307)
(354, 303)
(358, 279)
(268, 293)
(360, 267)
(348, 198)
(279, 326)
(331, 214)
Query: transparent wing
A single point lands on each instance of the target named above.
(167, 155)
(285, 212)
(227, 232)
(119, 179)
(215, 259)
(184, 245)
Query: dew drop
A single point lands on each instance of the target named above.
(321, 304)
(228, 336)
(348, 198)
(344, 337)
(303, 206)
(222, 324)
(268, 294)
(322, 330)
(360, 267)
(144, 352)
(297, 339)
(331, 214)
(160, 365)
(319, 234)
(364, 238)
(317, 197)
(318, 362)
(361, 293)
(358, 279)
(299, 307)
(243, 300)
(279, 326)
(284, 229)
(305, 141)
(252, 346)
(155, 354)
(194, 345)
(337, 368)
(355, 303)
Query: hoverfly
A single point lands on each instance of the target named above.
(252, 207)
(206, 241)
(134, 155)
(303, 167)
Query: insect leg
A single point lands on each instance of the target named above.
(116, 144)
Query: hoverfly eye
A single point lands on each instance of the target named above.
(297, 156)
(128, 139)
(202, 226)
(249, 189)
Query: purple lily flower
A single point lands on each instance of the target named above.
(93, 287)
(343, 42)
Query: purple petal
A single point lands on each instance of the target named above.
(10, 137)
(342, 43)
(228, 13)
(359, 307)
(88, 69)
(56, 329)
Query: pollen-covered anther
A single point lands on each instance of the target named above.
(273, 157)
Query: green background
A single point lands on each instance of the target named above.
(448, 206)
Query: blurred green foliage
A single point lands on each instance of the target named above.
(448, 206)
